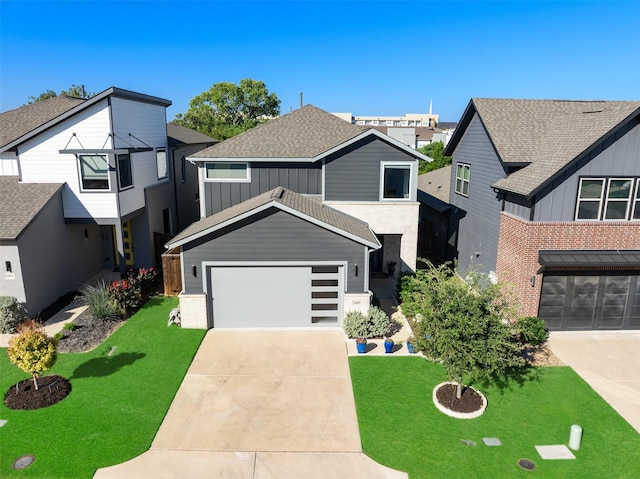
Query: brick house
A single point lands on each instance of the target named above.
(545, 195)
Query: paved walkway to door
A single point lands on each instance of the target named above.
(261, 404)
(609, 361)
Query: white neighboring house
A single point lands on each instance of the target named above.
(84, 186)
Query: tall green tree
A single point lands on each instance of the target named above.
(433, 150)
(464, 324)
(227, 109)
(75, 91)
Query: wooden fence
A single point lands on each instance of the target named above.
(171, 274)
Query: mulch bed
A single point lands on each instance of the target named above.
(90, 333)
(51, 390)
(470, 400)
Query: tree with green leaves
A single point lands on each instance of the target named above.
(75, 91)
(433, 150)
(466, 324)
(227, 109)
(32, 350)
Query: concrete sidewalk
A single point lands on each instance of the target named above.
(609, 361)
(55, 324)
(261, 404)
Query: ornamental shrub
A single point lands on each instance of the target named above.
(127, 293)
(100, 302)
(375, 323)
(532, 330)
(32, 350)
(379, 322)
(356, 325)
(11, 313)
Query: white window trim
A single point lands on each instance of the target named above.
(80, 178)
(384, 164)
(601, 200)
(455, 186)
(166, 163)
(228, 180)
(618, 200)
(118, 172)
(636, 201)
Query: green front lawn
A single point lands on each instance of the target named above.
(401, 428)
(117, 403)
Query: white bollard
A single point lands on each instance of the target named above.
(575, 437)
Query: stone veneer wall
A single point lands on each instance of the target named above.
(520, 241)
(193, 311)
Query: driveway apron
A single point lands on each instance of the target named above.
(609, 362)
(260, 404)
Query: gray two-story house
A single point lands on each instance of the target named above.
(545, 196)
(297, 213)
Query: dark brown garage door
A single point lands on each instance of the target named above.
(590, 300)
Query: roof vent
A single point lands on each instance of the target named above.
(277, 193)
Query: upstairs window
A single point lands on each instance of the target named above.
(635, 215)
(590, 199)
(231, 172)
(608, 199)
(161, 163)
(94, 172)
(125, 177)
(618, 196)
(463, 173)
(396, 181)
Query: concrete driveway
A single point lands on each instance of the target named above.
(260, 404)
(609, 361)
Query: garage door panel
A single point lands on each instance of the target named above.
(591, 301)
(275, 296)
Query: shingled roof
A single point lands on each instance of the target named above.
(19, 122)
(17, 126)
(306, 207)
(20, 203)
(304, 133)
(181, 135)
(545, 135)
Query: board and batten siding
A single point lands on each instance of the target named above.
(478, 214)
(302, 178)
(618, 155)
(353, 174)
(41, 162)
(148, 123)
(273, 236)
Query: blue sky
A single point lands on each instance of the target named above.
(364, 57)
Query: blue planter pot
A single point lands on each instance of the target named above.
(388, 347)
(411, 349)
(362, 348)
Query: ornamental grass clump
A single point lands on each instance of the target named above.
(100, 302)
(32, 350)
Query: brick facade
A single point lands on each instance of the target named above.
(520, 241)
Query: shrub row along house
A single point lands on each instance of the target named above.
(545, 195)
(86, 185)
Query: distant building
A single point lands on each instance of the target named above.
(428, 120)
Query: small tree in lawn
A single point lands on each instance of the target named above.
(33, 351)
(463, 324)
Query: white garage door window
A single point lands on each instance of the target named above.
(276, 296)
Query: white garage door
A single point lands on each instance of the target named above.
(276, 296)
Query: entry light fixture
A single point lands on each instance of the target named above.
(532, 280)
(194, 270)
